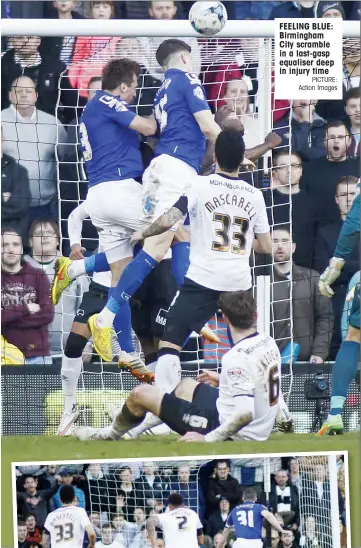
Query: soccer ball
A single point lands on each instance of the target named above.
(208, 18)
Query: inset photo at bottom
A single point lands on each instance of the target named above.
(263, 501)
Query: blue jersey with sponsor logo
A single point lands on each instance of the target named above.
(110, 148)
(247, 520)
(179, 98)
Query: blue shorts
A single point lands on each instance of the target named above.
(354, 319)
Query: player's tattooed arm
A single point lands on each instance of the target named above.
(229, 428)
(152, 535)
(163, 223)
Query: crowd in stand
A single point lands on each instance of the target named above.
(119, 498)
(41, 160)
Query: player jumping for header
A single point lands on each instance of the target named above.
(181, 526)
(247, 521)
(240, 403)
(348, 355)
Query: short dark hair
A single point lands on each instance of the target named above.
(170, 47)
(230, 149)
(119, 71)
(51, 222)
(285, 153)
(336, 123)
(8, 228)
(249, 494)
(21, 524)
(353, 93)
(67, 494)
(287, 228)
(110, 2)
(239, 307)
(107, 526)
(175, 499)
(346, 180)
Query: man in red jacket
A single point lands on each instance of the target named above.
(26, 308)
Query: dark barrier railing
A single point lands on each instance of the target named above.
(32, 398)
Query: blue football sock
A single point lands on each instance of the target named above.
(132, 278)
(122, 326)
(180, 261)
(343, 372)
(96, 263)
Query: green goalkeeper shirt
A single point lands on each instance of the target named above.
(350, 232)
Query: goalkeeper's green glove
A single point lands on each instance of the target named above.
(329, 276)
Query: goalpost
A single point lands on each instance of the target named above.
(243, 50)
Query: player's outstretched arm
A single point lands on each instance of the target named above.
(145, 126)
(225, 535)
(152, 535)
(91, 536)
(272, 520)
(207, 125)
(243, 415)
(263, 243)
(271, 141)
(75, 226)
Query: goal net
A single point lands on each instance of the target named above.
(124, 494)
(238, 73)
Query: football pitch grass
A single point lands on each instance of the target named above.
(51, 448)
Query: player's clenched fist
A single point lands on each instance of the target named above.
(329, 276)
(209, 377)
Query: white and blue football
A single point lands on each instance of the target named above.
(208, 18)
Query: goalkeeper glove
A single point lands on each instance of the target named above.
(329, 276)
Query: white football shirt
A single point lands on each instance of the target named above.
(180, 528)
(225, 214)
(66, 527)
(252, 368)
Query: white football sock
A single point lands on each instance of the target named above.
(70, 373)
(149, 422)
(168, 372)
(105, 318)
(283, 411)
(76, 268)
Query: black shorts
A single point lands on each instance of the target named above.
(200, 415)
(190, 311)
(93, 302)
(150, 303)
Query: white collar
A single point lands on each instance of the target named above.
(20, 118)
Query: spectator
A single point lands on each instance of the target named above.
(320, 177)
(149, 487)
(275, 539)
(310, 537)
(33, 501)
(165, 10)
(316, 491)
(329, 9)
(15, 192)
(118, 524)
(141, 539)
(95, 521)
(294, 477)
(295, 10)
(311, 312)
(26, 307)
(237, 99)
(24, 59)
(22, 532)
(44, 239)
(91, 53)
(326, 239)
(218, 541)
(217, 520)
(140, 10)
(67, 478)
(107, 537)
(127, 493)
(49, 477)
(353, 112)
(351, 65)
(222, 484)
(288, 540)
(307, 130)
(33, 533)
(100, 491)
(255, 10)
(187, 487)
(61, 47)
(30, 136)
(285, 192)
(283, 499)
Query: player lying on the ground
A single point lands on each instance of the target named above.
(348, 356)
(66, 525)
(239, 403)
(181, 526)
(246, 519)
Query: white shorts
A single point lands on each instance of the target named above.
(246, 543)
(164, 182)
(115, 209)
